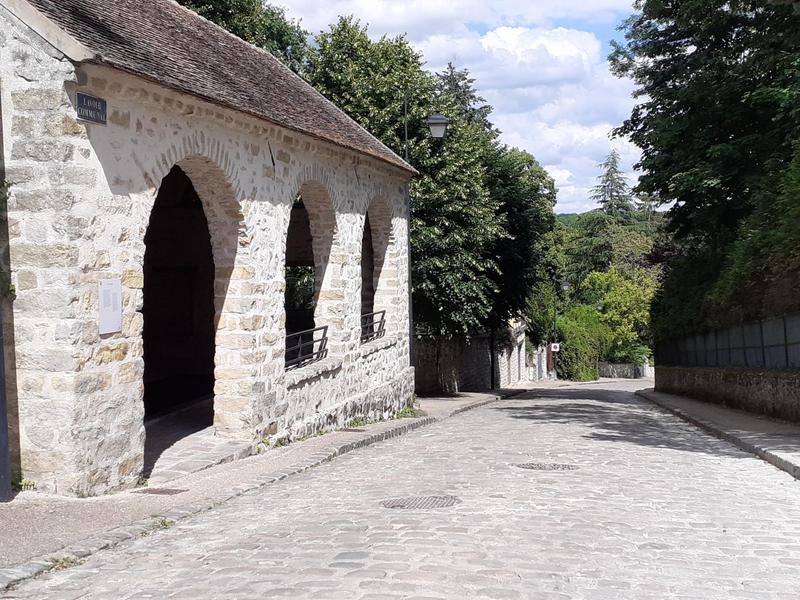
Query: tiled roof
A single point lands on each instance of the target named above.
(165, 42)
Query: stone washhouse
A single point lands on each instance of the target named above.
(180, 205)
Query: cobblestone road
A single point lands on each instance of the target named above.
(656, 509)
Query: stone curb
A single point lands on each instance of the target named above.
(762, 453)
(77, 553)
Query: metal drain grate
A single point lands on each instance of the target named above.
(353, 430)
(548, 467)
(160, 491)
(421, 502)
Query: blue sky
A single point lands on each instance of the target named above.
(540, 63)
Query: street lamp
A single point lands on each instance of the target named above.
(438, 124)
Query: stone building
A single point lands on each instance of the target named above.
(165, 177)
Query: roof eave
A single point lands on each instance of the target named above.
(63, 42)
(399, 164)
(48, 30)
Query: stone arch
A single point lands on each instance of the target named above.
(311, 236)
(227, 240)
(382, 276)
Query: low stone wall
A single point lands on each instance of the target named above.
(461, 365)
(625, 370)
(771, 392)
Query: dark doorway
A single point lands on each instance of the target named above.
(178, 303)
(367, 270)
(300, 282)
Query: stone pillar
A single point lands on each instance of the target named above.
(386, 279)
(55, 267)
(238, 299)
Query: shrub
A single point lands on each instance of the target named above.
(584, 338)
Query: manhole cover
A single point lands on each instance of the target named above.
(160, 491)
(421, 502)
(548, 467)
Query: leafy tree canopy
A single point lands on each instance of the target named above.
(455, 220)
(717, 120)
(260, 24)
(624, 306)
(526, 196)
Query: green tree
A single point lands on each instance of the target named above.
(526, 196)
(624, 306)
(631, 250)
(761, 273)
(716, 120)
(375, 83)
(612, 192)
(454, 219)
(584, 342)
(547, 294)
(646, 204)
(460, 88)
(589, 247)
(259, 23)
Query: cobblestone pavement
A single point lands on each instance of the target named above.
(656, 509)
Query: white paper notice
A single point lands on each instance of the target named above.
(110, 305)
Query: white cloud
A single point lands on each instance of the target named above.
(423, 18)
(549, 83)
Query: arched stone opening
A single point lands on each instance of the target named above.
(178, 304)
(376, 289)
(309, 294)
(191, 301)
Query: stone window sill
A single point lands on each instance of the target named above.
(327, 366)
(374, 346)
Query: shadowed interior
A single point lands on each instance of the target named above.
(178, 300)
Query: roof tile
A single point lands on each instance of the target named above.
(165, 42)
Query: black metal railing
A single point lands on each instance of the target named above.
(307, 346)
(373, 325)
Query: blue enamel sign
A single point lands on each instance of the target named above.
(92, 109)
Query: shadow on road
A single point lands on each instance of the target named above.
(614, 416)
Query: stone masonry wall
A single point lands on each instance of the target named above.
(772, 392)
(625, 370)
(80, 202)
(466, 365)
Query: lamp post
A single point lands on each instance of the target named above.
(438, 126)
(436, 122)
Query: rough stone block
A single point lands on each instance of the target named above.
(65, 125)
(130, 372)
(87, 383)
(39, 200)
(42, 151)
(112, 353)
(23, 126)
(70, 174)
(26, 280)
(38, 99)
(44, 255)
(133, 279)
